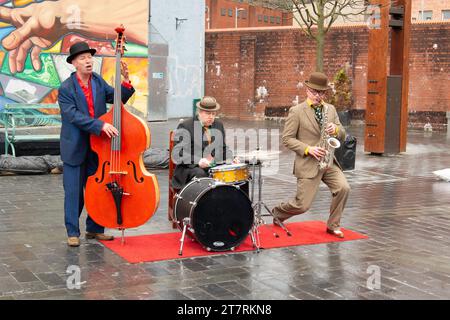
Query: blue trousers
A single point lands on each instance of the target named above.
(74, 181)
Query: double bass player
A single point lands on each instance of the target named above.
(82, 99)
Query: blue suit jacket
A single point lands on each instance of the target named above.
(77, 125)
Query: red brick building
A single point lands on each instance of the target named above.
(238, 62)
(222, 14)
(434, 10)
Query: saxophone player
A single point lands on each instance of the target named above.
(303, 133)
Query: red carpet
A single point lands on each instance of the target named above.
(157, 247)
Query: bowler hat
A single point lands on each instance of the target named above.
(317, 81)
(208, 104)
(79, 48)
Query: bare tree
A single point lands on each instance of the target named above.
(315, 17)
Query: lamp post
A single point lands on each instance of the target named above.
(236, 16)
(421, 5)
(208, 18)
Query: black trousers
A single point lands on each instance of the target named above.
(184, 175)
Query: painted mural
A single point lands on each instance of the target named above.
(35, 37)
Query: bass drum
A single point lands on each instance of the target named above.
(218, 215)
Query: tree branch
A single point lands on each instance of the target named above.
(309, 11)
(332, 12)
(313, 7)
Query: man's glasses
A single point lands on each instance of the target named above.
(317, 92)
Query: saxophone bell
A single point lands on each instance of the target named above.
(333, 143)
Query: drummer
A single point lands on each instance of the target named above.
(199, 144)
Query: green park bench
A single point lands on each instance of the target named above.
(23, 115)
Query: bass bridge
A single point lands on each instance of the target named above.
(122, 173)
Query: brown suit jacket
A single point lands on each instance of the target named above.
(302, 130)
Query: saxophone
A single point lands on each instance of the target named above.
(327, 142)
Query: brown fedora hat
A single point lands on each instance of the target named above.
(208, 104)
(317, 81)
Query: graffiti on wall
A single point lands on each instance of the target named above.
(35, 37)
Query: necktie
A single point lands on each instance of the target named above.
(208, 135)
(318, 113)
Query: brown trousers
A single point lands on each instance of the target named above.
(307, 190)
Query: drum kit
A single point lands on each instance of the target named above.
(220, 212)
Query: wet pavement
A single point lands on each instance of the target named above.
(395, 200)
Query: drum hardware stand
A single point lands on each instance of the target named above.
(186, 221)
(253, 179)
(255, 237)
(122, 241)
(260, 203)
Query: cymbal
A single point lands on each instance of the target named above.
(259, 155)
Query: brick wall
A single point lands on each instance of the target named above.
(280, 59)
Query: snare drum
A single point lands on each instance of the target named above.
(230, 173)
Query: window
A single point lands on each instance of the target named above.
(266, 19)
(425, 15)
(241, 14)
(272, 19)
(223, 12)
(260, 18)
(278, 19)
(445, 14)
(230, 12)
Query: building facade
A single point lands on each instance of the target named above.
(221, 14)
(422, 10)
(177, 24)
(434, 10)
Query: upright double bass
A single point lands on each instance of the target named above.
(122, 194)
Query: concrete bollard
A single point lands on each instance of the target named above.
(448, 123)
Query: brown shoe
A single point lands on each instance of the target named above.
(276, 223)
(99, 236)
(276, 219)
(338, 233)
(73, 241)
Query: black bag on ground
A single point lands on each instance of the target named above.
(156, 159)
(346, 154)
(153, 159)
(30, 164)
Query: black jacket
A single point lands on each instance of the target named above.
(191, 145)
